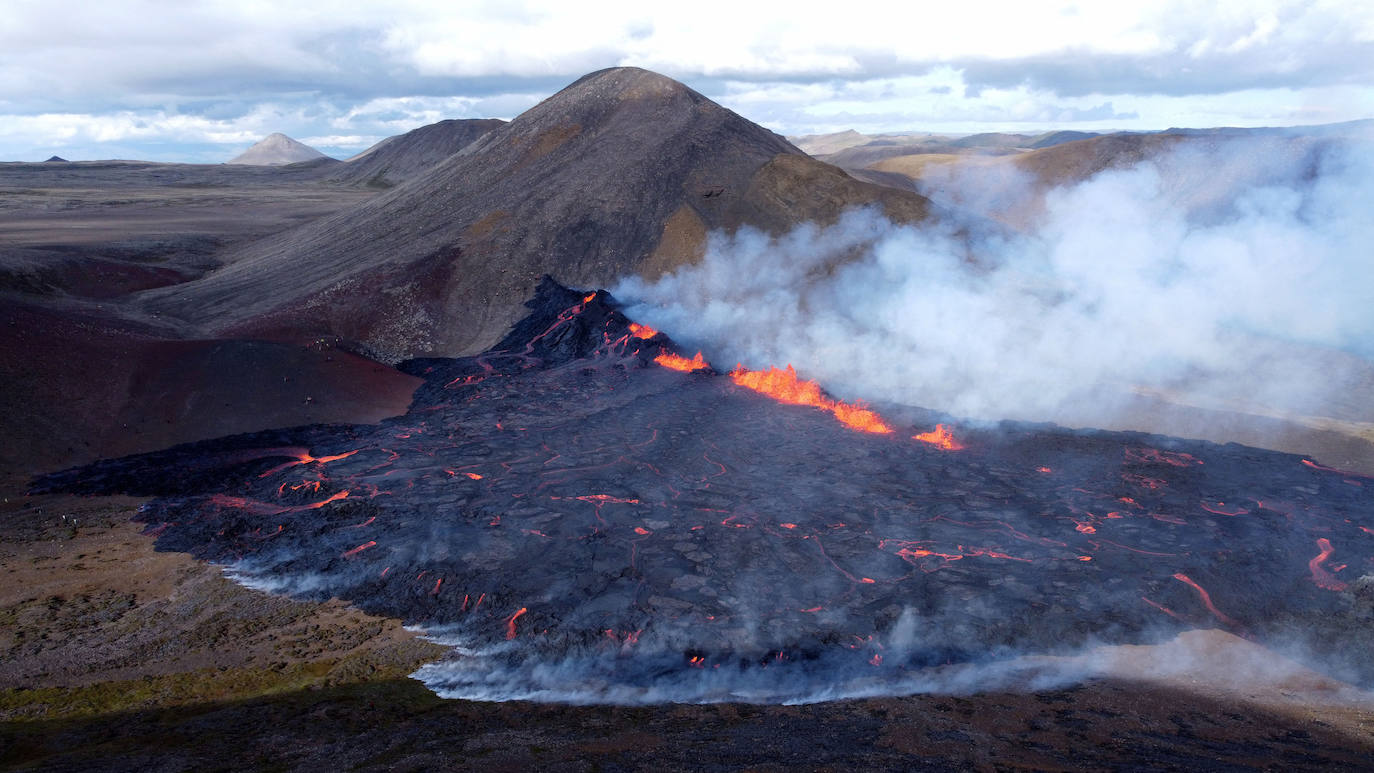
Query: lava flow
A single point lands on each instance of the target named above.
(678, 362)
(784, 386)
(941, 437)
(566, 484)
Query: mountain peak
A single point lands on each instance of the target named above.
(276, 149)
(629, 82)
(623, 172)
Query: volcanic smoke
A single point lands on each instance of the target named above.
(1125, 283)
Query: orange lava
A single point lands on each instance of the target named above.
(510, 622)
(675, 362)
(784, 386)
(940, 437)
(1320, 576)
(642, 331)
(359, 549)
(1206, 600)
(333, 498)
(473, 475)
(304, 457)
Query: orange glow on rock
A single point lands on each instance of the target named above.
(785, 387)
(940, 437)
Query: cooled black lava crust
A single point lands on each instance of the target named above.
(563, 493)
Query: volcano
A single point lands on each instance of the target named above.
(590, 515)
(621, 173)
(277, 149)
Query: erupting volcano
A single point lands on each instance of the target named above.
(588, 515)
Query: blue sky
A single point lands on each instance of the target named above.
(201, 81)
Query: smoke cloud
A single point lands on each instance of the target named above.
(1223, 272)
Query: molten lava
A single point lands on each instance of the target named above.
(510, 622)
(642, 331)
(1206, 600)
(785, 387)
(941, 437)
(676, 362)
(1320, 576)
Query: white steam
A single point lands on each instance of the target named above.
(1207, 661)
(1139, 278)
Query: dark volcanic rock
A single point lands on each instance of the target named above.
(397, 159)
(590, 526)
(54, 159)
(623, 172)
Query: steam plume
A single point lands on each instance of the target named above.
(1211, 273)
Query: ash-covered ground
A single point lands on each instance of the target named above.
(588, 526)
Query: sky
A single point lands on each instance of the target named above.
(179, 80)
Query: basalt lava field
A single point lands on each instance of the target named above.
(589, 516)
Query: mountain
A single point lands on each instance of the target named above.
(399, 158)
(623, 172)
(276, 149)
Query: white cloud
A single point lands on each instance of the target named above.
(795, 66)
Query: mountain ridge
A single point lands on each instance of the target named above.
(622, 172)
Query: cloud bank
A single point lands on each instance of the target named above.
(72, 74)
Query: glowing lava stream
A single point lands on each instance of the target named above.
(940, 437)
(675, 362)
(304, 457)
(1320, 576)
(781, 385)
(1207, 600)
(510, 623)
(784, 386)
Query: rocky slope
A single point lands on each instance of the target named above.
(622, 172)
(397, 159)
